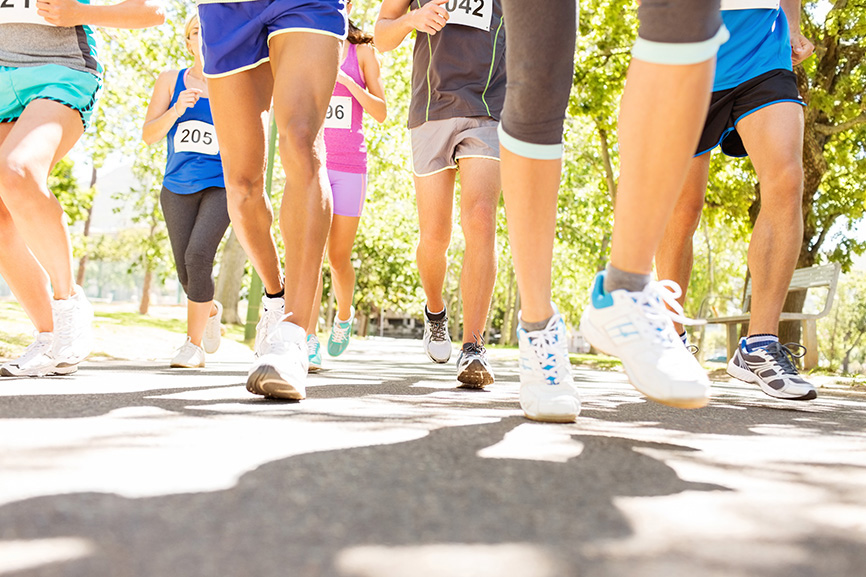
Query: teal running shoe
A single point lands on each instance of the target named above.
(340, 333)
(314, 350)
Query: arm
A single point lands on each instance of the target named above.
(801, 47)
(126, 14)
(396, 21)
(160, 116)
(373, 98)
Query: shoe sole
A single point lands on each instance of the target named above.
(313, 369)
(570, 418)
(594, 337)
(475, 376)
(748, 376)
(58, 371)
(266, 381)
(181, 366)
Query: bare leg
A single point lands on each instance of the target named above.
(302, 90)
(670, 103)
(675, 254)
(774, 138)
(312, 326)
(197, 315)
(479, 199)
(531, 227)
(340, 243)
(43, 134)
(239, 104)
(434, 195)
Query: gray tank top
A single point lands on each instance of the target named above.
(23, 45)
(460, 71)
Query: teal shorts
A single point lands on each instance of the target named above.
(21, 86)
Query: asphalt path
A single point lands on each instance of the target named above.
(388, 470)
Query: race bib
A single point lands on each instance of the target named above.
(339, 112)
(196, 136)
(474, 13)
(20, 12)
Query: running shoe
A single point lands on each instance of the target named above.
(547, 390)
(272, 315)
(772, 368)
(212, 330)
(36, 361)
(437, 341)
(473, 370)
(188, 356)
(338, 342)
(314, 352)
(638, 328)
(73, 331)
(281, 372)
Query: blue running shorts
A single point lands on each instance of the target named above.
(72, 88)
(235, 35)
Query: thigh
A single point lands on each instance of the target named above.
(239, 104)
(773, 136)
(479, 184)
(211, 222)
(342, 236)
(434, 196)
(180, 212)
(305, 68)
(44, 133)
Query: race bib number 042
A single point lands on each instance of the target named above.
(339, 112)
(474, 13)
(196, 136)
(20, 12)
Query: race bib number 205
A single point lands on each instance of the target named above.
(196, 136)
(20, 12)
(474, 13)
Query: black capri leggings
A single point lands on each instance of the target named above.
(196, 224)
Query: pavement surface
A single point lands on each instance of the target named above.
(129, 468)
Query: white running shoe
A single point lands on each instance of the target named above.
(282, 371)
(772, 368)
(639, 329)
(272, 315)
(473, 370)
(36, 360)
(547, 390)
(73, 330)
(189, 356)
(210, 342)
(437, 341)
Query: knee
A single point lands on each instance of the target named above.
(14, 176)
(298, 147)
(242, 189)
(340, 257)
(434, 241)
(478, 222)
(782, 189)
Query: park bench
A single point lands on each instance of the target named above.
(804, 279)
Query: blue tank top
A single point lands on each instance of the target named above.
(760, 42)
(194, 161)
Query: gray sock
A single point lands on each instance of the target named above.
(615, 279)
(532, 327)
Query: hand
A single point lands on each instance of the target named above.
(344, 79)
(61, 12)
(186, 99)
(430, 18)
(801, 47)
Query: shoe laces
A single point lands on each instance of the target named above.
(33, 350)
(438, 329)
(784, 357)
(548, 352)
(340, 333)
(64, 323)
(274, 337)
(312, 345)
(474, 348)
(652, 301)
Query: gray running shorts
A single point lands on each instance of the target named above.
(437, 145)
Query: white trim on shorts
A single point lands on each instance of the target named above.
(237, 70)
(452, 167)
(311, 30)
(528, 149)
(477, 156)
(679, 53)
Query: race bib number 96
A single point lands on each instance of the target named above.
(196, 136)
(339, 112)
(474, 13)
(20, 12)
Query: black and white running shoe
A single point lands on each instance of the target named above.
(772, 368)
(473, 370)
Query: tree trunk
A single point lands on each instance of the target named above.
(230, 279)
(82, 262)
(145, 291)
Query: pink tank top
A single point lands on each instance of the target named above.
(344, 134)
